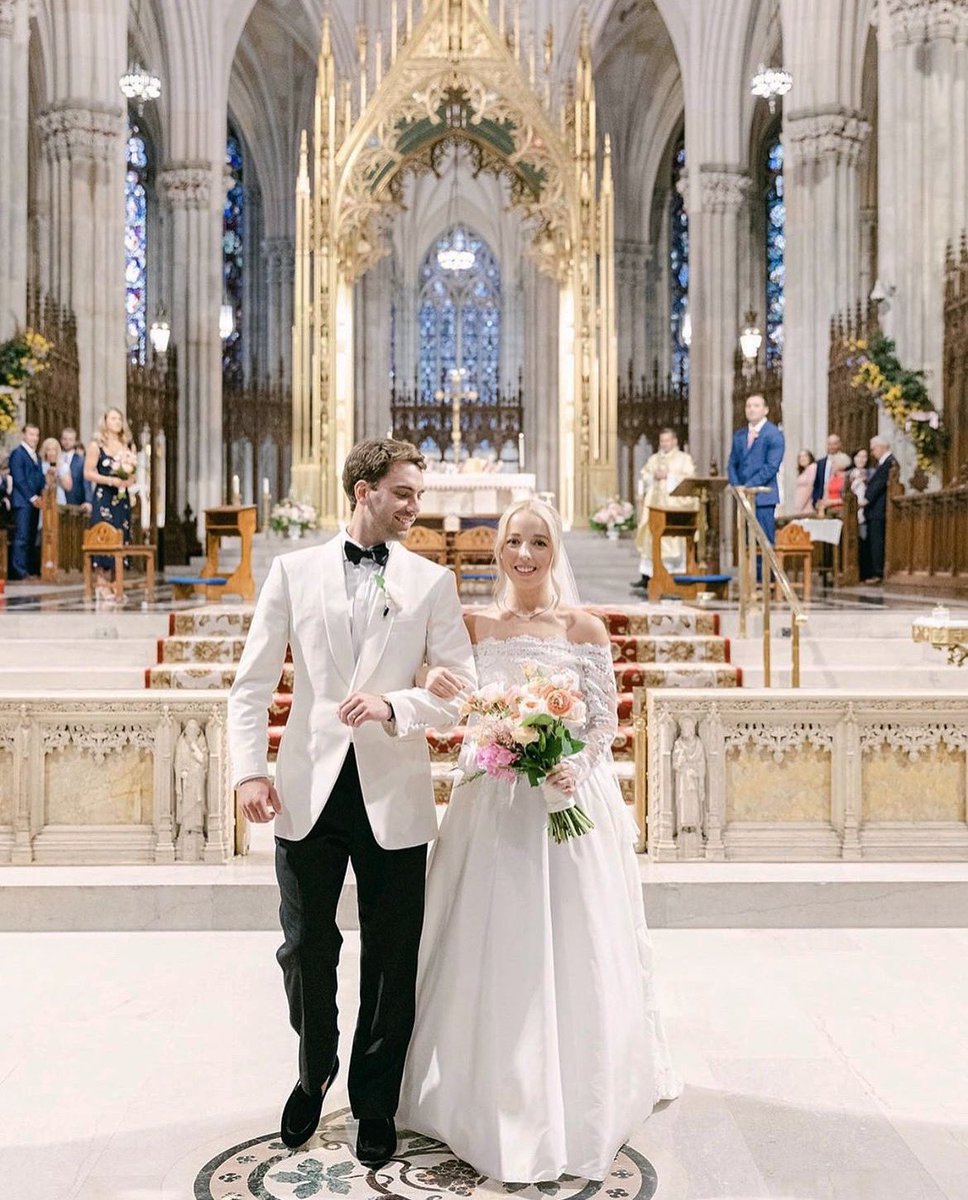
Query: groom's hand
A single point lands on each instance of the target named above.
(360, 707)
(259, 800)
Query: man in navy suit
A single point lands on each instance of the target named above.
(755, 461)
(875, 514)
(825, 467)
(28, 487)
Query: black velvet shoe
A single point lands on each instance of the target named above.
(642, 583)
(300, 1117)
(376, 1141)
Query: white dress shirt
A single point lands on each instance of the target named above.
(362, 592)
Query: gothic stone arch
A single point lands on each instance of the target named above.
(455, 76)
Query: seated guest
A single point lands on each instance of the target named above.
(832, 500)
(807, 473)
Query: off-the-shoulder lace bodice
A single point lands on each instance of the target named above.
(502, 660)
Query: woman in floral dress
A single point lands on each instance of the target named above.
(110, 465)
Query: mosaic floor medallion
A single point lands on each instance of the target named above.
(326, 1167)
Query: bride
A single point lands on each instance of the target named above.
(537, 1049)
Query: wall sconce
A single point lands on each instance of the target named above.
(160, 332)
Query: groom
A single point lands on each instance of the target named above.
(361, 614)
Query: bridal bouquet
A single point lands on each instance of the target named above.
(528, 731)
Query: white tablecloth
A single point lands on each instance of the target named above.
(822, 529)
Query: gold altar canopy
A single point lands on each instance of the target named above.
(455, 75)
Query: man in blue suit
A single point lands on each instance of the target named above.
(755, 461)
(28, 488)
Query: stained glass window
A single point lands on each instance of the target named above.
(460, 315)
(678, 268)
(775, 248)
(232, 260)
(136, 244)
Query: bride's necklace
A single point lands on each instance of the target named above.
(527, 616)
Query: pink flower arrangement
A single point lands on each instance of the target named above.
(528, 731)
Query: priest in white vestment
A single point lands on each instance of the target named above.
(659, 478)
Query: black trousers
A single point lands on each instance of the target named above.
(390, 893)
(876, 530)
(24, 555)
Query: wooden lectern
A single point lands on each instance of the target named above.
(706, 488)
(691, 524)
(229, 520)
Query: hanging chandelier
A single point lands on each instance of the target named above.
(770, 83)
(457, 255)
(139, 85)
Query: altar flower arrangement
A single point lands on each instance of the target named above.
(615, 515)
(901, 392)
(293, 517)
(21, 358)
(527, 731)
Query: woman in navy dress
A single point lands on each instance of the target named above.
(110, 466)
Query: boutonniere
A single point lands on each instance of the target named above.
(388, 601)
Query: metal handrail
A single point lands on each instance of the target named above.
(749, 535)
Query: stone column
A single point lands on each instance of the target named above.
(372, 297)
(822, 259)
(14, 37)
(632, 260)
(84, 147)
(923, 181)
(714, 301)
(278, 253)
(191, 192)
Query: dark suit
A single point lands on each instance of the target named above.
(875, 515)
(819, 480)
(29, 480)
(80, 490)
(758, 466)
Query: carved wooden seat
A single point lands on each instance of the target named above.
(474, 554)
(794, 549)
(104, 541)
(428, 543)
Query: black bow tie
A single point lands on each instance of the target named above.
(378, 553)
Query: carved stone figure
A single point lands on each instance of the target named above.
(689, 765)
(191, 778)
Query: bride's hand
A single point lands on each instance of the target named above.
(563, 778)
(444, 684)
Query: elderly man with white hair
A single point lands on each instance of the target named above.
(876, 510)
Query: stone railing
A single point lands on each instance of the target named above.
(114, 777)
(804, 776)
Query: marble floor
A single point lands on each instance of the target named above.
(819, 1065)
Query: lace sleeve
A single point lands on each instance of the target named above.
(598, 686)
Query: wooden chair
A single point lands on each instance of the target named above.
(104, 541)
(428, 543)
(794, 548)
(474, 555)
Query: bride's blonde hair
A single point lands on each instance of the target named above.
(552, 520)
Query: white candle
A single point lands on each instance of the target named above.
(236, 492)
(265, 485)
(389, 433)
(520, 451)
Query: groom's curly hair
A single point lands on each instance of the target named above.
(372, 459)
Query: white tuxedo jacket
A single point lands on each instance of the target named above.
(303, 604)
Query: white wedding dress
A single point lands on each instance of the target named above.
(537, 1049)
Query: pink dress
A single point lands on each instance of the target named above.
(803, 497)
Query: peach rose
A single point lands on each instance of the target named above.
(559, 702)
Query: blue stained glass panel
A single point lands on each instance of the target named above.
(775, 251)
(136, 245)
(459, 317)
(233, 265)
(678, 268)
